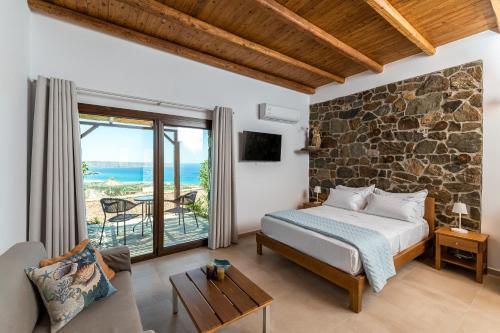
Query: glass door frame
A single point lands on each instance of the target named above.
(160, 121)
(172, 121)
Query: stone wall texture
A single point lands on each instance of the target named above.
(421, 133)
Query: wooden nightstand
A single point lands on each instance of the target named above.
(473, 242)
(310, 204)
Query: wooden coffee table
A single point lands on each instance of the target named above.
(215, 304)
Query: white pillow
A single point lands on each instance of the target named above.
(392, 207)
(345, 199)
(418, 197)
(364, 191)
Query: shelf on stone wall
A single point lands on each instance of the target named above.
(309, 150)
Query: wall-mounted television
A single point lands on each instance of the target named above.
(260, 147)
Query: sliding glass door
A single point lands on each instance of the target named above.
(117, 155)
(186, 187)
(145, 180)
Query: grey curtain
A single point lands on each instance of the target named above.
(57, 206)
(222, 211)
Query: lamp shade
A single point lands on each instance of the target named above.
(317, 189)
(459, 208)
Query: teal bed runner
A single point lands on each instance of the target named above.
(374, 249)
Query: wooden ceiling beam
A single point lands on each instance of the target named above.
(394, 18)
(161, 10)
(496, 8)
(122, 32)
(319, 34)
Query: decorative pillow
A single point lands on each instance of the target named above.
(392, 207)
(418, 197)
(345, 199)
(70, 285)
(107, 270)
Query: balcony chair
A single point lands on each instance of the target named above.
(181, 203)
(120, 207)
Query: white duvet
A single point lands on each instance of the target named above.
(400, 234)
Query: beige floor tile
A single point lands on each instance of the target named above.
(417, 299)
(488, 298)
(450, 283)
(481, 322)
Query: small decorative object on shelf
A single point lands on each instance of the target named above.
(459, 208)
(313, 140)
(316, 138)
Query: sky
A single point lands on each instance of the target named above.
(108, 144)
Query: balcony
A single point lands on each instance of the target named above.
(140, 244)
(138, 231)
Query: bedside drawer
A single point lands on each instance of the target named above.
(457, 243)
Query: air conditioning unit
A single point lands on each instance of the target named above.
(278, 113)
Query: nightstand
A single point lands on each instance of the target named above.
(473, 242)
(310, 204)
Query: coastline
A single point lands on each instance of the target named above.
(140, 174)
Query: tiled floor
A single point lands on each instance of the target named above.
(418, 299)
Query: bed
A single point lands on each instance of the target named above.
(337, 261)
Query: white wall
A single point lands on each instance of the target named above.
(484, 46)
(14, 62)
(98, 61)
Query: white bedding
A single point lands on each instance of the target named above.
(400, 234)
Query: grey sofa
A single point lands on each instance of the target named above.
(21, 309)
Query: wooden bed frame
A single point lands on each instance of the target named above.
(354, 284)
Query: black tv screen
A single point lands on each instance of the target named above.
(261, 147)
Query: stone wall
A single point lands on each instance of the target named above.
(424, 132)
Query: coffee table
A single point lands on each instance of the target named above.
(214, 304)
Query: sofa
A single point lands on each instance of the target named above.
(22, 310)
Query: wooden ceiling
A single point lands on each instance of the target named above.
(298, 44)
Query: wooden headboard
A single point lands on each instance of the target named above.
(430, 214)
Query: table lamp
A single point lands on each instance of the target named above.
(459, 208)
(317, 190)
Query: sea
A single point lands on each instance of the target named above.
(130, 173)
